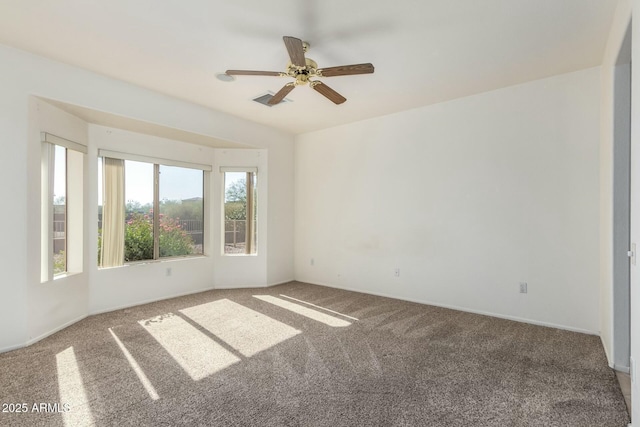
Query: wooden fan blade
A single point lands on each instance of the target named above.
(331, 94)
(278, 97)
(346, 70)
(296, 51)
(252, 73)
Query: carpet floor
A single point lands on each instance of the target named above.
(305, 355)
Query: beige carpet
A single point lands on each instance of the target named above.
(304, 355)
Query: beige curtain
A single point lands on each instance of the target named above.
(250, 222)
(113, 206)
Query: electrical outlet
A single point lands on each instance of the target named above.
(169, 271)
(312, 262)
(523, 287)
(396, 272)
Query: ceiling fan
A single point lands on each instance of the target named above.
(303, 69)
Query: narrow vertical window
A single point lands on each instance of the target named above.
(240, 212)
(62, 178)
(59, 210)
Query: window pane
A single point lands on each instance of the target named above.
(240, 223)
(181, 211)
(100, 190)
(254, 211)
(138, 230)
(60, 210)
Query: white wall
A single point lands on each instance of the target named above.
(24, 74)
(250, 270)
(468, 198)
(14, 250)
(142, 282)
(60, 302)
(614, 43)
(280, 219)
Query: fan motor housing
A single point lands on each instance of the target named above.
(302, 74)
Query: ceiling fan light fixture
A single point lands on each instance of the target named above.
(301, 68)
(224, 77)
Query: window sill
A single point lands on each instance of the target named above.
(156, 261)
(61, 277)
(240, 255)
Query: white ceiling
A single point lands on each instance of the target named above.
(424, 51)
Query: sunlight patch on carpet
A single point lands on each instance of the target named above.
(247, 331)
(72, 390)
(319, 307)
(196, 353)
(304, 311)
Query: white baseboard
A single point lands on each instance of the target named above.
(452, 307)
(623, 369)
(465, 309)
(228, 287)
(53, 331)
(268, 285)
(280, 283)
(40, 337)
(612, 365)
(149, 301)
(11, 348)
(606, 353)
(120, 307)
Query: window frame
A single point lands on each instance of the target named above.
(75, 155)
(157, 162)
(251, 226)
